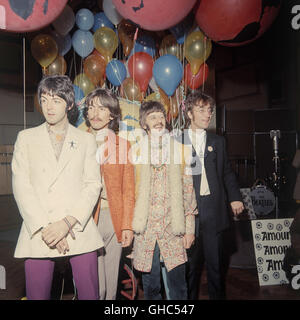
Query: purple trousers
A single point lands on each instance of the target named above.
(39, 275)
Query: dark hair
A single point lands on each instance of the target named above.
(148, 107)
(62, 87)
(108, 100)
(197, 97)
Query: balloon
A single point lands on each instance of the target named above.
(168, 72)
(106, 42)
(146, 44)
(101, 20)
(115, 72)
(195, 81)
(79, 95)
(94, 68)
(44, 49)
(140, 67)
(126, 31)
(131, 90)
(111, 12)
(180, 31)
(169, 45)
(197, 49)
(83, 42)
(58, 66)
(155, 14)
(65, 21)
(173, 111)
(25, 16)
(64, 43)
(84, 19)
(84, 83)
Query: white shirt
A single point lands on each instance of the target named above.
(198, 139)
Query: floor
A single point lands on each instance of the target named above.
(241, 282)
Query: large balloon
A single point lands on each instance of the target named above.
(84, 19)
(140, 67)
(197, 49)
(154, 14)
(111, 12)
(131, 90)
(115, 72)
(106, 42)
(44, 49)
(64, 23)
(83, 42)
(126, 31)
(235, 22)
(101, 20)
(168, 72)
(58, 66)
(94, 68)
(195, 81)
(84, 83)
(29, 15)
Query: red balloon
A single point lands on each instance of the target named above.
(195, 81)
(235, 22)
(29, 15)
(140, 67)
(154, 14)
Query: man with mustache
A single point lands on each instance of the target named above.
(165, 206)
(114, 210)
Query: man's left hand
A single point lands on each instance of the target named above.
(237, 207)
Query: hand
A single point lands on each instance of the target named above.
(237, 207)
(127, 236)
(188, 240)
(62, 246)
(54, 232)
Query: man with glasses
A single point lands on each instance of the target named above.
(215, 184)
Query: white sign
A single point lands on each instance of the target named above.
(271, 239)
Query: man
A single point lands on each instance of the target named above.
(56, 184)
(165, 207)
(116, 203)
(214, 184)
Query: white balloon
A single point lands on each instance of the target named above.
(111, 12)
(64, 23)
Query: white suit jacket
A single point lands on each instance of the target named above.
(47, 190)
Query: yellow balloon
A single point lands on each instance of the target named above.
(82, 81)
(197, 49)
(106, 42)
(58, 66)
(169, 45)
(44, 49)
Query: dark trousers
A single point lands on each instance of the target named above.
(206, 249)
(175, 280)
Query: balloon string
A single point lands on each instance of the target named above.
(24, 82)
(203, 84)
(75, 67)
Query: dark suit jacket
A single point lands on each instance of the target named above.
(223, 185)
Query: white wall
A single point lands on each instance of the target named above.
(12, 116)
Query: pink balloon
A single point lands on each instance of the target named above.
(140, 67)
(24, 16)
(154, 14)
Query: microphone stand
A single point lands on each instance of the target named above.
(276, 179)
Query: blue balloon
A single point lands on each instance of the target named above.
(84, 19)
(101, 20)
(146, 44)
(181, 30)
(79, 95)
(116, 72)
(83, 42)
(168, 72)
(64, 43)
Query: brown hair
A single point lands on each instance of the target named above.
(148, 107)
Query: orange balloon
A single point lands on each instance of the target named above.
(169, 45)
(173, 111)
(164, 99)
(58, 66)
(126, 31)
(131, 90)
(94, 67)
(44, 49)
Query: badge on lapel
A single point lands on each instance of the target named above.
(210, 148)
(73, 144)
